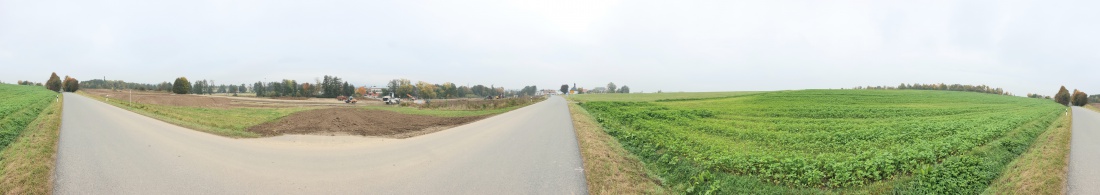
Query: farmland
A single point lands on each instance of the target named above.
(248, 117)
(19, 105)
(828, 141)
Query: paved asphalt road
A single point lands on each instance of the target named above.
(1084, 153)
(107, 150)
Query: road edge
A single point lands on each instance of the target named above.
(35, 154)
(1043, 168)
(609, 168)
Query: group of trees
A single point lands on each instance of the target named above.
(611, 88)
(119, 84)
(27, 83)
(1032, 95)
(54, 83)
(529, 91)
(183, 86)
(421, 89)
(331, 87)
(943, 87)
(202, 87)
(1077, 98)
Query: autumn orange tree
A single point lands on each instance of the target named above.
(70, 84)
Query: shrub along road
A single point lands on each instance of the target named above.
(1084, 172)
(108, 150)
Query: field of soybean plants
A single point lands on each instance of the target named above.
(19, 105)
(829, 141)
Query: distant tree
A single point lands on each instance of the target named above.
(463, 91)
(198, 87)
(361, 91)
(611, 87)
(181, 86)
(404, 88)
(71, 84)
(448, 89)
(565, 89)
(259, 88)
(624, 89)
(426, 90)
(480, 91)
(1062, 97)
(54, 83)
(348, 90)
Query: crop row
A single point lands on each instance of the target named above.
(19, 105)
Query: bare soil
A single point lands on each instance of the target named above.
(205, 101)
(354, 121)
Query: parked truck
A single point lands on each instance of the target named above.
(391, 99)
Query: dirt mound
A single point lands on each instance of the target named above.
(356, 121)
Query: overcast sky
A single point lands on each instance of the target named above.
(1022, 46)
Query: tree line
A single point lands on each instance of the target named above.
(333, 86)
(119, 84)
(54, 83)
(610, 88)
(941, 87)
(405, 88)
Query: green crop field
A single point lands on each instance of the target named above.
(19, 105)
(829, 141)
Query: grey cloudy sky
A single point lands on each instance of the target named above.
(1022, 46)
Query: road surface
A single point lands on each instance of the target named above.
(107, 150)
(1084, 153)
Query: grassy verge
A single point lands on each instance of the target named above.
(1042, 169)
(231, 122)
(608, 167)
(27, 164)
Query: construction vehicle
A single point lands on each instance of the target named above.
(391, 99)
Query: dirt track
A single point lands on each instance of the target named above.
(356, 121)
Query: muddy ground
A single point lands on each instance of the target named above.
(169, 99)
(357, 121)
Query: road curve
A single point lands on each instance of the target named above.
(1084, 153)
(107, 150)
